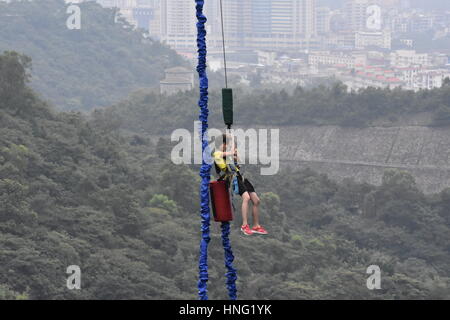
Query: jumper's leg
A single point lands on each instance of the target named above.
(255, 200)
(245, 202)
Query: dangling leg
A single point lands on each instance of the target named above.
(245, 201)
(257, 228)
(255, 210)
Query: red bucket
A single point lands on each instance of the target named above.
(221, 202)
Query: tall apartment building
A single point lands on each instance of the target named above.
(323, 20)
(269, 24)
(355, 12)
(178, 23)
(308, 18)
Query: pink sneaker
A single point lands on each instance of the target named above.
(259, 230)
(246, 230)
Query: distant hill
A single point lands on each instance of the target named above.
(81, 69)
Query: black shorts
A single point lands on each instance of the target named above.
(245, 186)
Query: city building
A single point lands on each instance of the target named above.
(409, 78)
(408, 75)
(430, 79)
(400, 24)
(381, 39)
(344, 40)
(337, 58)
(270, 24)
(307, 17)
(371, 76)
(143, 17)
(418, 78)
(323, 20)
(408, 58)
(355, 12)
(439, 59)
(266, 58)
(178, 26)
(421, 23)
(177, 79)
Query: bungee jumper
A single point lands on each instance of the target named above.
(226, 162)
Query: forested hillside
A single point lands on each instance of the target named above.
(76, 191)
(81, 69)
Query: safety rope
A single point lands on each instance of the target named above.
(223, 45)
(205, 168)
(229, 258)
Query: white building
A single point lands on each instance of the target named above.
(266, 58)
(327, 58)
(178, 23)
(371, 76)
(430, 79)
(408, 76)
(177, 79)
(381, 39)
(417, 78)
(408, 58)
(307, 17)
